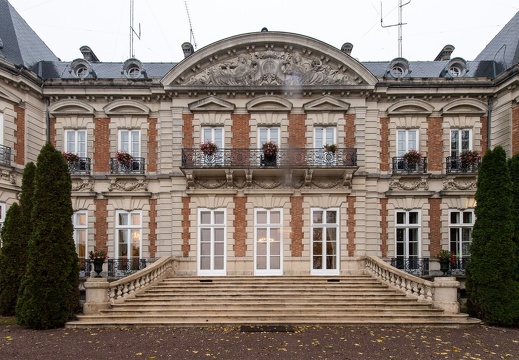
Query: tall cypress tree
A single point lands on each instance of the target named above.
(10, 275)
(49, 293)
(514, 173)
(15, 247)
(493, 294)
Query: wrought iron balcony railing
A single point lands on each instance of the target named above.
(80, 167)
(457, 266)
(454, 165)
(116, 267)
(5, 155)
(136, 166)
(254, 158)
(412, 265)
(401, 166)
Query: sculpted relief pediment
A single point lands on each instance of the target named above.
(268, 59)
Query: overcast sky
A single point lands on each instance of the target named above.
(66, 25)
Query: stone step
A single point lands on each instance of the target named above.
(389, 301)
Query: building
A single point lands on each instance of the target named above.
(394, 184)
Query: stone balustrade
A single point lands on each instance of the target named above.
(442, 293)
(100, 293)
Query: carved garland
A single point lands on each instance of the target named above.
(408, 185)
(452, 184)
(128, 185)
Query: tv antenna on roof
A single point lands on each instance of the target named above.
(399, 24)
(132, 30)
(191, 33)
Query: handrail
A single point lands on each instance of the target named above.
(413, 286)
(137, 282)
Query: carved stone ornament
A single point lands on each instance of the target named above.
(83, 185)
(273, 68)
(398, 184)
(452, 184)
(117, 184)
(8, 176)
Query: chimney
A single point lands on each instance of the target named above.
(445, 54)
(88, 54)
(347, 48)
(188, 49)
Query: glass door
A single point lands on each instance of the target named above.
(268, 243)
(325, 242)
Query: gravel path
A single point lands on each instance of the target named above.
(303, 342)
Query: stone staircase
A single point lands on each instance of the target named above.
(199, 301)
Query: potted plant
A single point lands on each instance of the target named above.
(469, 158)
(124, 158)
(270, 149)
(330, 148)
(412, 157)
(70, 157)
(208, 147)
(445, 258)
(98, 258)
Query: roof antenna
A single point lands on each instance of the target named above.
(191, 33)
(132, 30)
(399, 24)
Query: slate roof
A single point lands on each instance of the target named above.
(431, 69)
(504, 47)
(103, 70)
(20, 44)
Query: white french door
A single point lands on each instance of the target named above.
(214, 135)
(325, 242)
(324, 136)
(268, 242)
(211, 242)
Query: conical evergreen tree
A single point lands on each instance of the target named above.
(49, 293)
(493, 294)
(10, 276)
(514, 173)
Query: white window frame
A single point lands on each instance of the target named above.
(456, 246)
(130, 229)
(404, 141)
(212, 226)
(324, 135)
(78, 228)
(3, 210)
(325, 226)
(407, 226)
(2, 128)
(265, 134)
(268, 226)
(210, 133)
(133, 144)
(461, 143)
(76, 142)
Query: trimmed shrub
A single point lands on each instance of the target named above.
(10, 275)
(493, 294)
(49, 292)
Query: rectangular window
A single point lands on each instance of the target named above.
(76, 142)
(461, 140)
(460, 234)
(80, 221)
(2, 217)
(268, 134)
(216, 136)
(325, 241)
(268, 242)
(211, 241)
(128, 239)
(130, 142)
(324, 136)
(1, 128)
(406, 140)
(407, 235)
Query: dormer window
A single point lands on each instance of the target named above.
(132, 68)
(456, 67)
(80, 68)
(399, 68)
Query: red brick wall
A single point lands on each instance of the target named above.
(515, 129)
(349, 128)
(152, 144)
(434, 144)
(186, 224)
(296, 131)
(296, 224)
(240, 226)
(240, 131)
(153, 228)
(187, 130)
(383, 227)
(484, 134)
(384, 144)
(435, 226)
(351, 225)
(101, 224)
(19, 134)
(102, 145)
